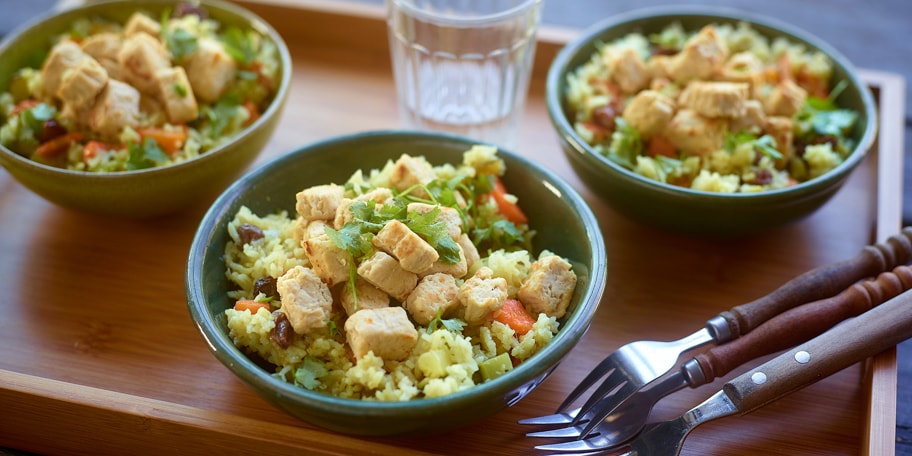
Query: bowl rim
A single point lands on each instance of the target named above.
(567, 133)
(231, 356)
(255, 21)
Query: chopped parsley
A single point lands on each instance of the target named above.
(181, 43)
(239, 45)
(626, 144)
(450, 324)
(765, 145)
(145, 155)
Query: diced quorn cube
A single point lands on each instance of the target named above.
(63, 56)
(104, 48)
(81, 84)
(411, 171)
(649, 113)
(435, 293)
(549, 287)
(306, 300)
(139, 22)
(210, 69)
(116, 107)
(140, 57)
(319, 202)
(715, 99)
(368, 297)
(387, 332)
(328, 261)
(694, 134)
(414, 254)
(385, 273)
(176, 95)
(482, 294)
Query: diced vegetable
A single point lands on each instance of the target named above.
(514, 315)
(171, 141)
(495, 367)
(251, 305)
(92, 149)
(660, 145)
(253, 112)
(24, 105)
(57, 145)
(507, 207)
(433, 363)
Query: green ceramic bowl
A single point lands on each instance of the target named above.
(690, 211)
(272, 187)
(152, 191)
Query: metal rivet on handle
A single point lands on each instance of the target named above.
(758, 378)
(802, 357)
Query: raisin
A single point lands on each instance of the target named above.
(604, 116)
(267, 286)
(51, 129)
(761, 177)
(249, 233)
(282, 331)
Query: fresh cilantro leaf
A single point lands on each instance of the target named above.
(626, 144)
(666, 165)
(247, 75)
(453, 324)
(42, 112)
(181, 43)
(836, 123)
(239, 45)
(434, 231)
(356, 244)
(145, 155)
(220, 115)
(501, 234)
(450, 324)
(766, 145)
(333, 328)
(351, 239)
(393, 210)
(733, 140)
(180, 90)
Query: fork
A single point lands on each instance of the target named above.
(848, 343)
(637, 364)
(621, 421)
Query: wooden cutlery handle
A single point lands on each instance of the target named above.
(801, 323)
(852, 341)
(821, 282)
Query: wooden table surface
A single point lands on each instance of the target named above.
(98, 354)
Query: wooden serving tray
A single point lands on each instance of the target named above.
(98, 354)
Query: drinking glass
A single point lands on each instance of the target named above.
(463, 66)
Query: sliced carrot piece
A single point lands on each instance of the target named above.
(170, 141)
(58, 145)
(253, 112)
(92, 149)
(251, 305)
(508, 208)
(660, 145)
(24, 105)
(514, 315)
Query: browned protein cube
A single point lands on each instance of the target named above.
(387, 332)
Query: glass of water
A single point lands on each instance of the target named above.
(463, 66)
